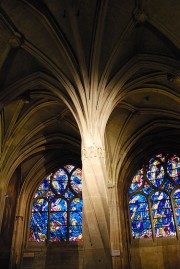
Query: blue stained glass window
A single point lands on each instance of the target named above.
(168, 185)
(38, 226)
(76, 204)
(57, 207)
(69, 168)
(162, 215)
(156, 193)
(147, 189)
(58, 233)
(76, 179)
(136, 182)
(140, 218)
(173, 168)
(68, 194)
(59, 204)
(43, 187)
(177, 194)
(40, 205)
(176, 198)
(155, 172)
(60, 181)
(75, 233)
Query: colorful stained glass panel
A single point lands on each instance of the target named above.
(58, 205)
(75, 218)
(45, 185)
(40, 205)
(162, 215)
(155, 172)
(140, 218)
(59, 186)
(168, 185)
(161, 178)
(58, 233)
(176, 197)
(139, 211)
(136, 182)
(50, 195)
(75, 233)
(60, 175)
(141, 229)
(68, 194)
(42, 188)
(162, 230)
(38, 194)
(58, 219)
(69, 168)
(159, 156)
(57, 210)
(177, 194)
(138, 198)
(177, 210)
(38, 226)
(173, 168)
(59, 182)
(147, 189)
(76, 204)
(76, 180)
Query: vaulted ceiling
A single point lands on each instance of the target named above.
(57, 58)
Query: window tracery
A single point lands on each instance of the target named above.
(57, 207)
(154, 198)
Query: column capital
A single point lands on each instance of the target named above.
(93, 151)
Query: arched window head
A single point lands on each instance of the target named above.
(57, 207)
(154, 198)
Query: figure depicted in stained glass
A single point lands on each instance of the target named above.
(57, 207)
(140, 219)
(176, 199)
(137, 181)
(156, 185)
(162, 215)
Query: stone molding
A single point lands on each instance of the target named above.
(16, 40)
(93, 151)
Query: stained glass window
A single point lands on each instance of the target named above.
(140, 219)
(57, 207)
(154, 198)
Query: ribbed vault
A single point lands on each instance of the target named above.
(96, 81)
